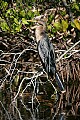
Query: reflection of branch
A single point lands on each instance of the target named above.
(34, 76)
(67, 51)
(5, 111)
(60, 103)
(20, 118)
(28, 109)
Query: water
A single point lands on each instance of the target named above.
(31, 106)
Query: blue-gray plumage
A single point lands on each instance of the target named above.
(47, 54)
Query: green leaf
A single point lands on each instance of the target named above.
(77, 23)
(66, 55)
(24, 21)
(54, 30)
(16, 79)
(4, 26)
(64, 25)
(73, 25)
(16, 21)
(22, 13)
(8, 11)
(49, 27)
(75, 6)
(3, 5)
(11, 16)
(18, 28)
(63, 13)
(50, 18)
(30, 14)
(57, 25)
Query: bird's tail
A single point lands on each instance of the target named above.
(59, 83)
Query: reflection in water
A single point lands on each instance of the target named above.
(61, 116)
(24, 109)
(41, 105)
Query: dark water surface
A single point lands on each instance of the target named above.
(37, 107)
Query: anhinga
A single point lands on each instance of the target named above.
(47, 53)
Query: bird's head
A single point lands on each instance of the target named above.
(40, 30)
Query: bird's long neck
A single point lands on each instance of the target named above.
(40, 33)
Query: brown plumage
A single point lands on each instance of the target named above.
(46, 53)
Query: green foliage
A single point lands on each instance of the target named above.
(3, 5)
(75, 6)
(57, 25)
(60, 26)
(12, 18)
(63, 21)
(64, 25)
(50, 18)
(24, 21)
(4, 25)
(77, 23)
(63, 13)
(16, 80)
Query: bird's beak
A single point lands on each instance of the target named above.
(34, 27)
(40, 17)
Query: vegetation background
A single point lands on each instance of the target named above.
(21, 75)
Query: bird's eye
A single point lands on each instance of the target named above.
(42, 32)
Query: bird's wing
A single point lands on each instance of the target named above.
(52, 54)
(46, 53)
(43, 51)
(58, 80)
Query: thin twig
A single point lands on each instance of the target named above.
(67, 51)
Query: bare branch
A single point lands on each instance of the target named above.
(67, 51)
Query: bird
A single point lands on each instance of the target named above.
(47, 53)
